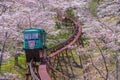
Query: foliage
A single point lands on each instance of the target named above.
(70, 12)
(21, 14)
(22, 60)
(61, 36)
(86, 40)
(9, 66)
(92, 7)
(58, 25)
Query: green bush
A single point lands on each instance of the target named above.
(58, 25)
(92, 7)
(70, 12)
(9, 66)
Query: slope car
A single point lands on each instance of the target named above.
(34, 38)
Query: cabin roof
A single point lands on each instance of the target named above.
(32, 30)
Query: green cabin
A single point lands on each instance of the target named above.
(34, 38)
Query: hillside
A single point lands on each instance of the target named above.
(101, 33)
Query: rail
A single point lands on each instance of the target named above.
(70, 41)
(45, 68)
(32, 71)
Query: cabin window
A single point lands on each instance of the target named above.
(34, 36)
(31, 36)
(27, 36)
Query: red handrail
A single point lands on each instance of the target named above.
(43, 72)
(71, 43)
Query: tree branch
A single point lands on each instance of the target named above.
(4, 8)
(105, 63)
(3, 47)
(96, 68)
(117, 66)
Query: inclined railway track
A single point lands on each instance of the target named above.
(47, 66)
